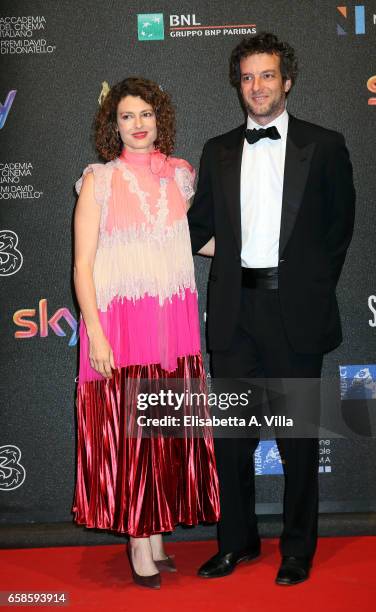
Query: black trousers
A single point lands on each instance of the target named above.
(260, 349)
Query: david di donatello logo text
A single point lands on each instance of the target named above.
(151, 27)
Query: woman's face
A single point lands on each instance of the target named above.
(137, 124)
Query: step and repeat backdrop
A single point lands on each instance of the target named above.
(57, 59)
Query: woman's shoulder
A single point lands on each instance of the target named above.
(184, 176)
(179, 162)
(98, 167)
(101, 173)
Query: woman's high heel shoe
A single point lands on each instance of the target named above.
(151, 582)
(166, 565)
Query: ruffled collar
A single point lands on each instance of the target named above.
(159, 164)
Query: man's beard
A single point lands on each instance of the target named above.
(268, 111)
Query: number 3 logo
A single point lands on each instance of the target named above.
(12, 473)
(10, 257)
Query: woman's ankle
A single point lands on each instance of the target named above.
(142, 556)
(156, 544)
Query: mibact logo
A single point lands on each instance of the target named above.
(267, 459)
(325, 456)
(359, 19)
(358, 382)
(24, 318)
(150, 26)
(5, 108)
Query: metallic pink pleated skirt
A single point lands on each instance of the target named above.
(134, 484)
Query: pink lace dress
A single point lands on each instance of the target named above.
(147, 305)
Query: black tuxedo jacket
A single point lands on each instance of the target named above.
(316, 228)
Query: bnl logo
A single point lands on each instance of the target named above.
(360, 19)
(5, 108)
(150, 26)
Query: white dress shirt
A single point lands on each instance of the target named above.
(261, 187)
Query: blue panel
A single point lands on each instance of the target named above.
(267, 459)
(360, 20)
(358, 382)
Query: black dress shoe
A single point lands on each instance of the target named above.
(166, 565)
(222, 565)
(293, 570)
(150, 582)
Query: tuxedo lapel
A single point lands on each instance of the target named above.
(297, 165)
(230, 158)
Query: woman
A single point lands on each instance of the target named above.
(134, 281)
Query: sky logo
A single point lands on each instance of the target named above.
(23, 318)
(360, 19)
(5, 108)
(150, 26)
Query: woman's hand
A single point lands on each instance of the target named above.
(101, 355)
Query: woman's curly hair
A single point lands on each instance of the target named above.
(107, 139)
(264, 43)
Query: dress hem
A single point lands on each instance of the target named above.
(170, 529)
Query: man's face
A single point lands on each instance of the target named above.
(262, 88)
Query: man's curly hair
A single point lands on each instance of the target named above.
(107, 139)
(265, 42)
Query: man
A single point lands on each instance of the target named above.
(278, 197)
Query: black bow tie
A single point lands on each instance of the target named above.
(253, 136)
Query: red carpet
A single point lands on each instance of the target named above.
(98, 578)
